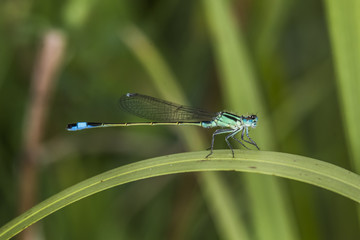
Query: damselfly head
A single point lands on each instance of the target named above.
(250, 121)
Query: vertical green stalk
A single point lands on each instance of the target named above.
(273, 16)
(271, 214)
(344, 28)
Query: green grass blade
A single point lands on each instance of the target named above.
(272, 216)
(290, 166)
(272, 17)
(344, 27)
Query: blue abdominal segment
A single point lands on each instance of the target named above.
(81, 126)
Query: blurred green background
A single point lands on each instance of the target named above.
(277, 59)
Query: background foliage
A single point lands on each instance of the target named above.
(274, 58)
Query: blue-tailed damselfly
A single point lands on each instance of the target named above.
(168, 113)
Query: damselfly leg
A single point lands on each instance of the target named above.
(217, 132)
(247, 135)
(231, 135)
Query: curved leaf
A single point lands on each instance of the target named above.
(290, 166)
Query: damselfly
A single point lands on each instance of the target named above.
(168, 113)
